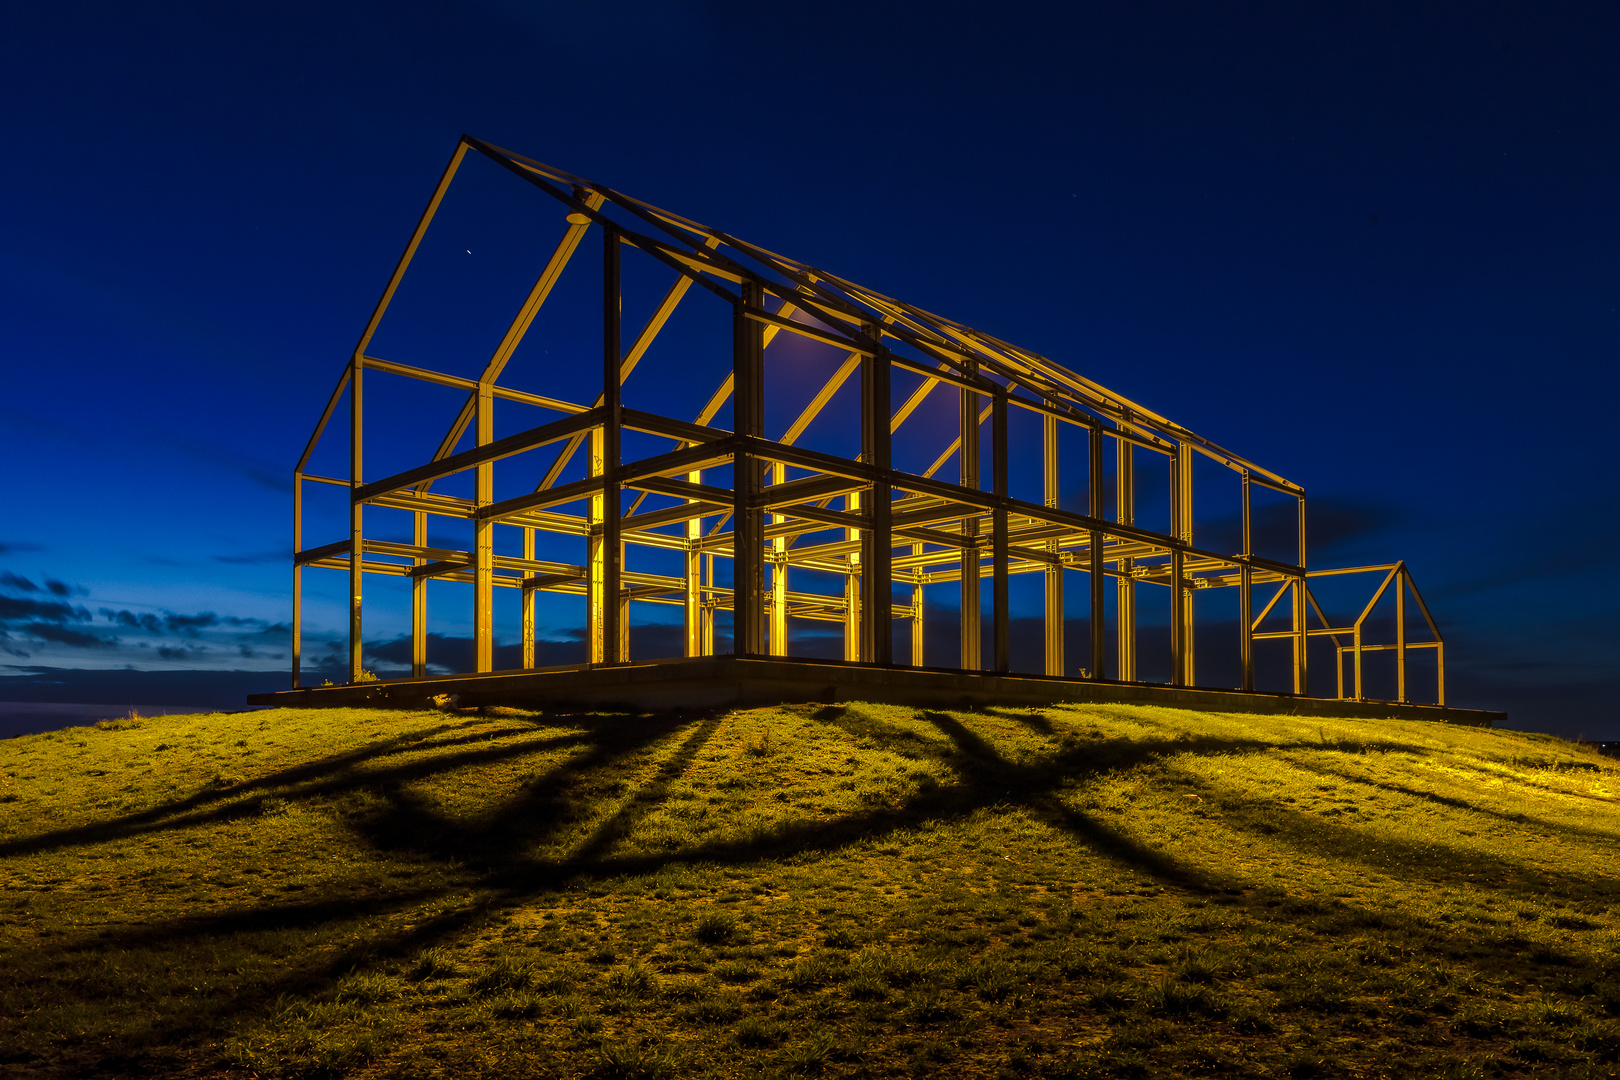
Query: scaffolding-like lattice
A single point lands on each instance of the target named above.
(807, 534)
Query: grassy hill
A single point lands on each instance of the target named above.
(834, 890)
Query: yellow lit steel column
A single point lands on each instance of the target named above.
(1300, 637)
(1401, 583)
(1000, 636)
(298, 580)
(1246, 593)
(852, 586)
(1094, 502)
(419, 600)
(708, 605)
(1179, 600)
(917, 596)
(596, 649)
(693, 606)
(484, 538)
(1183, 598)
(615, 624)
(1125, 514)
(528, 602)
(779, 575)
(968, 460)
(747, 530)
(1301, 634)
(877, 540)
(357, 543)
(1053, 623)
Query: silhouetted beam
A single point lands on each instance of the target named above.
(423, 374)
(636, 420)
(326, 551)
(824, 336)
(842, 518)
(806, 490)
(564, 493)
(446, 566)
(682, 489)
(691, 459)
(555, 431)
(685, 512)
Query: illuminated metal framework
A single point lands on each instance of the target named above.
(788, 509)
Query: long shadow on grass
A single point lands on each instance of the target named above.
(504, 833)
(881, 734)
(1342, 743)
(406, 825)
(987, 780)
(1342, 841)
(508, 875)
(1033, 719)
(1306, 832)
(1606, 836)
(174, 815)
(548, 802)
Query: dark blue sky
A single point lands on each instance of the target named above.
(1373, 247)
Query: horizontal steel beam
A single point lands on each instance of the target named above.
(555, 431)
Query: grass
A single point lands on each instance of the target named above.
(805, 891)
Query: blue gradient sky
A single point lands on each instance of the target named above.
(1375, 247)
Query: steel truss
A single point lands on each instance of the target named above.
(788, 508)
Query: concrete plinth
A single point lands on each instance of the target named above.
(727, 681)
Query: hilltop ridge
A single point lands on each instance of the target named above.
(1097, 890)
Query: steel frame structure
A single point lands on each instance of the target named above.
(790, 508)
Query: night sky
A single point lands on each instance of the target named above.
(1373, 247)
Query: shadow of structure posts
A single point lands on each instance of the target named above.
(567, 832)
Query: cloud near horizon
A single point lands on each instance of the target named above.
(38, 616)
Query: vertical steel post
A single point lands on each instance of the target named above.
(854, 621)
(779, 575)
(708, 604)
(1178, 592)
(1178, 618)
(615, 626)
(968, 461)
(298, 581)
(596, 649)
(1000, 578)
(1053, 613)
(1125, 514)
(1401, 583)
(484, 537)
(1360, 694)
(917, 625)
(1246, 595)
(1440, 671)
(357, 543)
(1246, 624)
(624, 594)
(1302, 639)
(877, 539)
(1185, 599)
(1094, 438)
(528, 602)
(693, 608)
(419, 600)
(747, 535)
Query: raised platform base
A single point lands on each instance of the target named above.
(727, 681)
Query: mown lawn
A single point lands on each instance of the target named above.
(857, 890)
